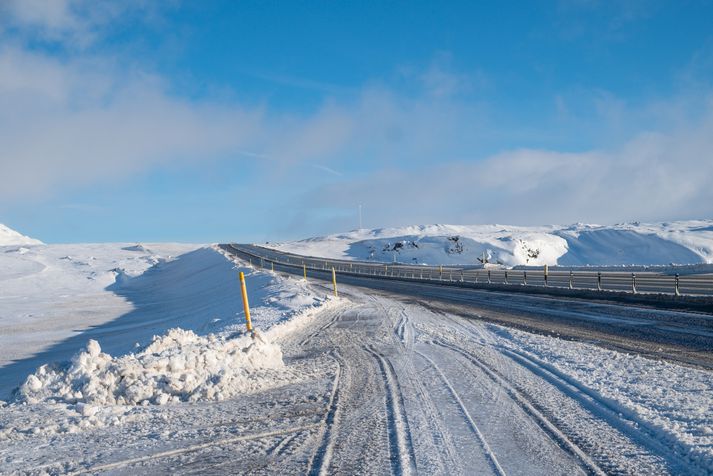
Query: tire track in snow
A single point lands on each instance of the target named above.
(630, 432)
(319, 463)
(189, 449)
(550, 428)
(619, 418)
(329, 323)
(400, 443)
(492, 459)
(441, 437)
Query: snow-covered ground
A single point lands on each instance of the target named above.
(681, 242)
(378, 385)
(134, 359)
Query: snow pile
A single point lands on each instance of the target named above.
(9, 237)
(683, 242)
(179, 366)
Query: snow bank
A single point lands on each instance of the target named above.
(683, 242)
(52, 295)
(9, 237)
(177, 367)
(204, 356)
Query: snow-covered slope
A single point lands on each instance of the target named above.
(9, 237)
(55, 298)
(681, 242)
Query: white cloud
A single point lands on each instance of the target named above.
(71, 23)
(653, 176)
(65, 123)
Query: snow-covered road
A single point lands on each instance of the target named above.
(387, 387)
(416, 391)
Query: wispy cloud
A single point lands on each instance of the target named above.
(329, 170)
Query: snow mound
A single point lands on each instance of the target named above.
(9, 237)
(179, 366)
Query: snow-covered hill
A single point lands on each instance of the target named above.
(9, 237)
(680, 242)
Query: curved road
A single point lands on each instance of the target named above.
(675, 335)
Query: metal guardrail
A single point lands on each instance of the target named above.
(621, 281)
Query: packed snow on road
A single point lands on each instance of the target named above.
(133, 358)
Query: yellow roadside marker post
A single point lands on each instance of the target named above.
(334, 282)
(246, 306)
(304, 271)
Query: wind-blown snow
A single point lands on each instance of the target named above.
(9, 237)
(682, 242)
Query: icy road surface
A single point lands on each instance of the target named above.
(386, 387)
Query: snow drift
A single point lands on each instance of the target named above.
(179, 366)
(682, 242)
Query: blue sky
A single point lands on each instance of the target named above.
(255, 121)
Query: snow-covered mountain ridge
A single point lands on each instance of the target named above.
(9, 237)
(677, 242)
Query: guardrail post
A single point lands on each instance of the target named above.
(476, 276)
(633, 283)
(272, 263)
(440, 271)
(461, 276)
(677, 290)
(570, 279)
(599, 280)
(545, 275)
(488, 276)
(506, 277)
(524, 278)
